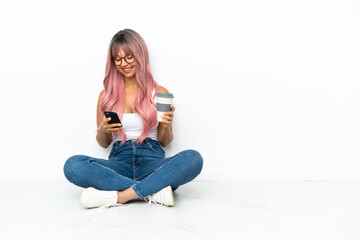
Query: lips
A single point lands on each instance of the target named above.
(127, 70)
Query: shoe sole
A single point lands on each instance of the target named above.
(83, 196)
(172, 203)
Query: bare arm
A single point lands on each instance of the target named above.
(165, 135)
(104, 133)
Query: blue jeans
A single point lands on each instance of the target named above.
(142, 167)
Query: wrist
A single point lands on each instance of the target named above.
(103, 134)
(165, 125)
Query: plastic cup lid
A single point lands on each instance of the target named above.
(165, 95)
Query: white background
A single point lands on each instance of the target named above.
(264, 90)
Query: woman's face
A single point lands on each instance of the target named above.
(125, 64)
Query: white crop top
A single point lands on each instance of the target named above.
(133, 127)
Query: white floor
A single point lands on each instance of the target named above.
(203, 210)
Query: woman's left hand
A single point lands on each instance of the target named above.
(168, 117)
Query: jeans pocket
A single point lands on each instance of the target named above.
(156, 147)
(113, 149)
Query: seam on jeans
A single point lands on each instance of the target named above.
(154, 148)
(137, 192)
(172, 158)
(139, 161)
(113, 150)
(81, 180)
(159, 145)
(133, 166)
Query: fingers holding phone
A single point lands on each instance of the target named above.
(111, 123)
(110, 128)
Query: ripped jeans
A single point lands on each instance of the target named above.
(142, 167)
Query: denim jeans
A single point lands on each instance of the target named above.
(142, 167)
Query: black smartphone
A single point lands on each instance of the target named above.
(114, 117)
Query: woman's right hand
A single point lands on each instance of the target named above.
(109, 128)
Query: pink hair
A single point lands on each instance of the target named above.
(114, 97)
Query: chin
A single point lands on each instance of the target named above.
(129, 75)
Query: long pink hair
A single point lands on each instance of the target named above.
(114, 97)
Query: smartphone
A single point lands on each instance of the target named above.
(114, 117)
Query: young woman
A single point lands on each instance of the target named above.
(137, 167)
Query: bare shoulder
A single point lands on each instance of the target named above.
(162, 89)
(102, 93)
(99, 100)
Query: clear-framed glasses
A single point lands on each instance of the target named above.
(128, 58)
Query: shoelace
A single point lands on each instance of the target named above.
(151, 200)
(110, 205)
(96, 214)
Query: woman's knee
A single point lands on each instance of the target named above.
(196, 160)
(70, 166)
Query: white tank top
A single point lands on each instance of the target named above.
(133, 126)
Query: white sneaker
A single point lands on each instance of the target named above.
(91, 198)
(163, 197)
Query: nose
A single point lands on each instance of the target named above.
(123, 63)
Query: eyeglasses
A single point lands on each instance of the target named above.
(128, 58)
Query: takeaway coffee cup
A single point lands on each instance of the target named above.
(163, 102)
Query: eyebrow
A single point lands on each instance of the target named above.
(125, 55)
